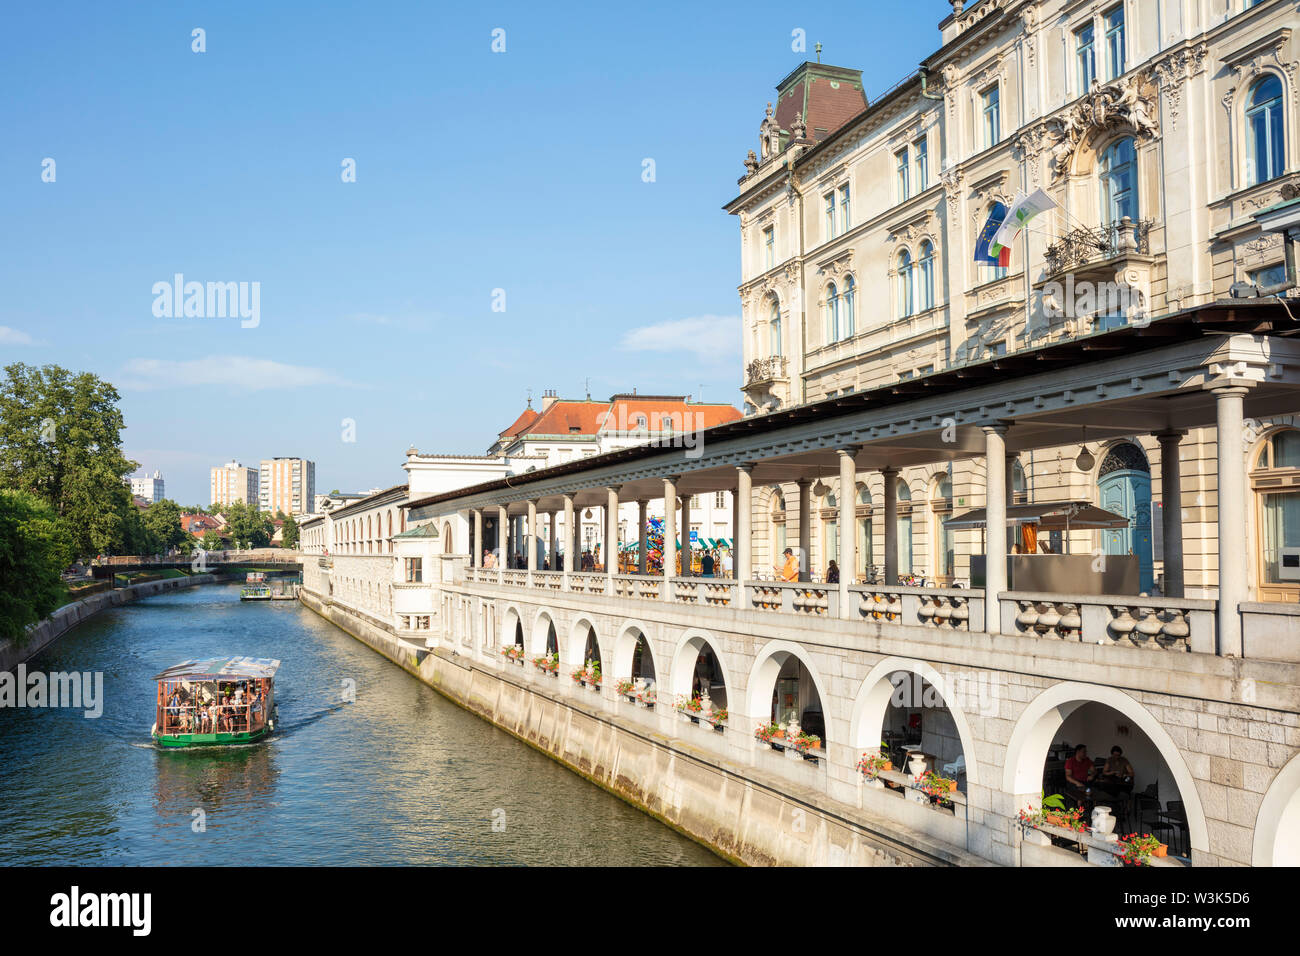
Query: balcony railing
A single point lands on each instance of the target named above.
(770, 369)
(1085, 245)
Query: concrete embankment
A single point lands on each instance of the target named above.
(732, 809)
(41, 635)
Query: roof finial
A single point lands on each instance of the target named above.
(530, 397)
(818, 48)
(587, 383)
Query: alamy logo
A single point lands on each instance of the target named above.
(211, 300)
(75, 909)
(77, 691)
(673, 428)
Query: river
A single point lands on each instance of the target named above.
(400, 776)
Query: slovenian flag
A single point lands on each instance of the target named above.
(985, 250)
(1023, 209)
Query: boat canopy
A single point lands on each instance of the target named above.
(215, 667)
(1048, 515)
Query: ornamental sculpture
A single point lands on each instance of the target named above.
(1122, 105)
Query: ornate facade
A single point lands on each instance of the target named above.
(1158, 128)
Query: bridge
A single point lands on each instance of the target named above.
(199, 561)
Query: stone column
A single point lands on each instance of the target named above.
(550, 545)
(995, 582)
(531, 538)
(805, 527)
(1232, 517)
(848, 532)
(1171, 510)
(742, 556)
(476, 559)
(568, 533)
(642, 516)
(670, 536)
(686, 535)
(611, 536)
(891, 525)
(503, 525)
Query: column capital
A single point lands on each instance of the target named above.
(849, 450)
(747, 466)
(613, 489)
(1230, 386)
(889, 470)
(999, 427)
(1171, 435)
(803, 482)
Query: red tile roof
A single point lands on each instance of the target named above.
(588, 418)
(526, 418)
(827, 96)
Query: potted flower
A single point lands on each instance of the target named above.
(936, 785)
(871, 765)
(626, 688)
(719, 716)
(513, 653)
(767, 732)
(805, 742)
(1138, 850)
(648, 697)
(579, 675)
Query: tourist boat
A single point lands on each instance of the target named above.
(255, 592)
(219, 702)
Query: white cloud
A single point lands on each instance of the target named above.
(10, 336)
(236, 371)
(714, 337)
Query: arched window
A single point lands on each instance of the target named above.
(832, 314)
(926, 268)
(1119, 188)
(906, 304)
(945, 552)
(831, 526)
(1277, 511)
(774, 328)
(1265, 133)
(904, 528)
(1019, 495)
(778, 523)
(848, 307)
(865, 556)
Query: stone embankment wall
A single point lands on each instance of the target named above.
(41, 635)
(733, 810)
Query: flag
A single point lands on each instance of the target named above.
(983, 245)
(1023, 209)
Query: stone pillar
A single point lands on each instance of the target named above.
(503, 542)
(642, 516)
(611, 535)
(848, 532)
(1232, 517)
(742, 536)
(995, 582)
(1171, 510)
(531, 539)
(550, 546)
(568, 534)
(891, 525)
(805, 527)
(476, 559)
(670, 536)
(686, 535)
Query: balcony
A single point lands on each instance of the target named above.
(1092, 247)
(767, 382)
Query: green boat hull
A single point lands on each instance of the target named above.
(209, 740)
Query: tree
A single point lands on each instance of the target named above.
(163, 520)
(60, 439)
(289, 532)
(212, 541)
(34, 550)
(248, 527)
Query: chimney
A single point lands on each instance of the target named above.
(549, 398)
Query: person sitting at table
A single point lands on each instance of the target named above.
(1117, 772)
(1079, 772)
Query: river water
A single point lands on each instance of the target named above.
(401, 775)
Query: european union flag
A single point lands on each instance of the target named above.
(982, 254)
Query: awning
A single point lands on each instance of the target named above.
(215, 667)
(1048, 515)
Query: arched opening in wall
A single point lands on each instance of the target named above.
(865, 554)
(643, 663)
(697, 672)
(918, 723)
(1277, 825)
(1065, 743)
(447, 540)
(1124, 487)
(777, 517)
(584, 650)
(904, 530)
(634, 663)
(552, 640)
(519, 633)
(784, 690)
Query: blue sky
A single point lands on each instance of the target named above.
(475, 171)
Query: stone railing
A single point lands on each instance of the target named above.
(548, 580)
(793, 597)
(1159, 624)
(768, 369)
(516, 579)
(954, 609)
(587, 583)
(714, 592)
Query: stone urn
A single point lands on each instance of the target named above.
(916, 763)
(1102, 820)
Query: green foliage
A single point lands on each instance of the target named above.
(289, 532)
(212, 541)
(163, 521)
(60, 439)
(34, 550)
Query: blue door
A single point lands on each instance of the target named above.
(1128, 492)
